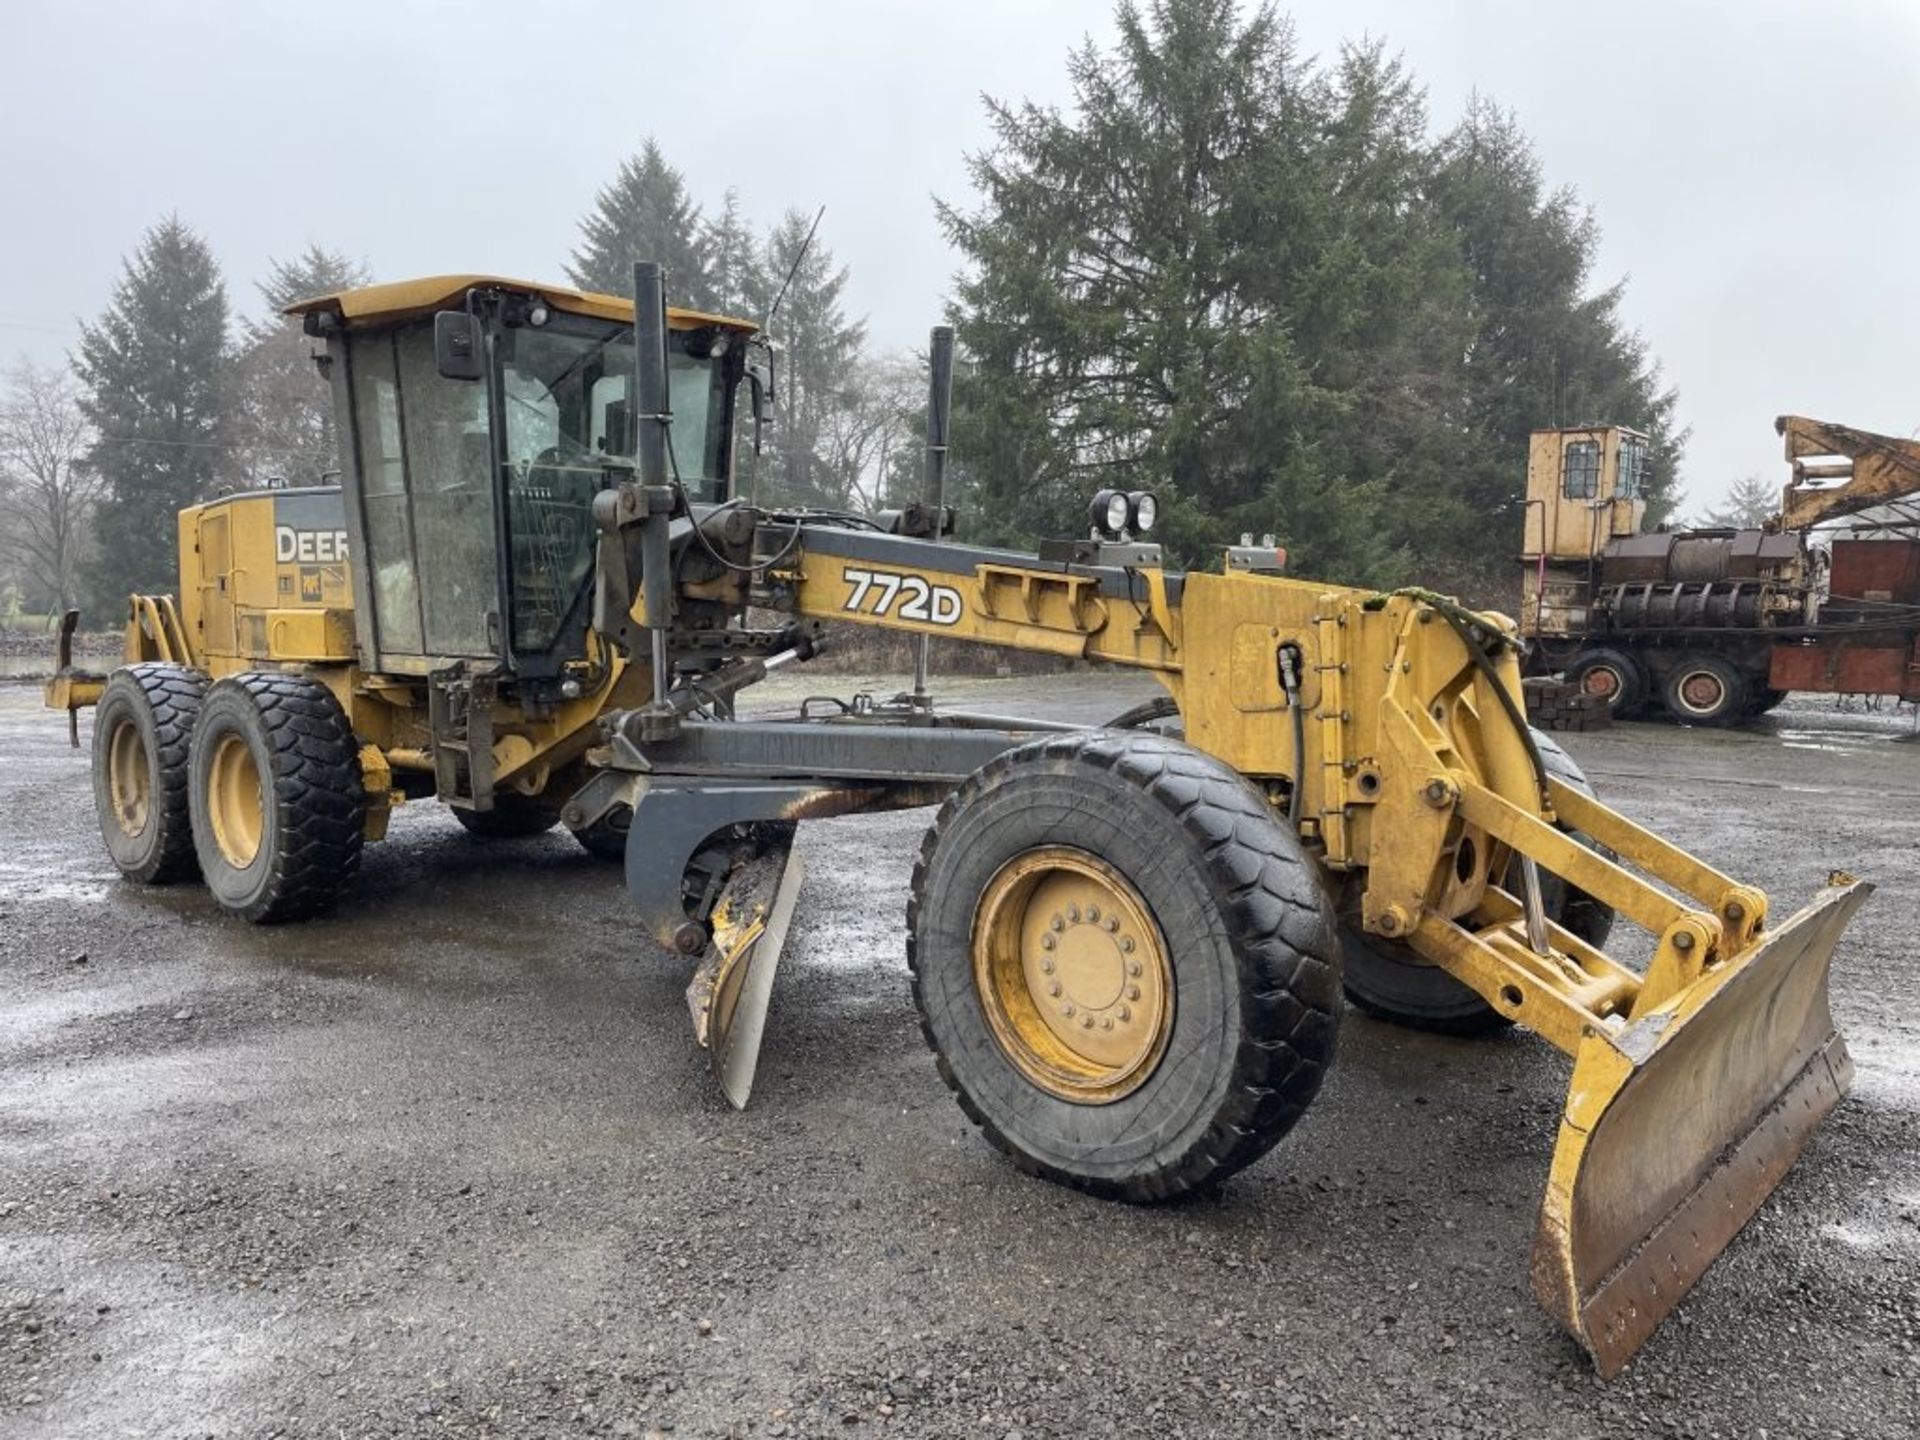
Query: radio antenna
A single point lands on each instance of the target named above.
(794, 269)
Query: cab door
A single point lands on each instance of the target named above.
(427, 504)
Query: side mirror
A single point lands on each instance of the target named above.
(457, 349)
(760, 384)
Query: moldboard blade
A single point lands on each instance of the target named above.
(1679, 1127)
(733, 986)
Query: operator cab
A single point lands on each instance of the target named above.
(1586, 485)
(469, 482)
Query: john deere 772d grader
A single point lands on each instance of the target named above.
(531, 597)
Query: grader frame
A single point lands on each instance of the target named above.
(1386, 736)
(1124, 945)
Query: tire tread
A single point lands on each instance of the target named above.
(1289, 972)
(317, 792)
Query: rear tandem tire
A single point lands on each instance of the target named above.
(279, 811)
(142, 727)
(513, 817)
(1187, 923)
(1390, 982)
(606, 838)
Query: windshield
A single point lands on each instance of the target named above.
(566, 386)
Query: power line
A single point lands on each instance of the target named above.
(8, 322)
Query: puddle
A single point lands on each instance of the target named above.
(1828, 743)
(36, 882)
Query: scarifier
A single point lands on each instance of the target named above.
(531, 598)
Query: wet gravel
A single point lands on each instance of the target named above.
(448, 1164)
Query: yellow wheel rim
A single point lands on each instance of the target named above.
(1073, 975)
(234, 805)
(129, 781)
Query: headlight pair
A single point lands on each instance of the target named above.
(1117, 513)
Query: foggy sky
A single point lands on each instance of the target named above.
(1752, 165)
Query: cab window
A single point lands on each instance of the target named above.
(1580, 470)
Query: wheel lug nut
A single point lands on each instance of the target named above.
(1073, 913)
(1046, 967)
(1133, 992)
(1067, 1009)
(1087, 1021)
(1133, 966)
(1106, 1024)
(1126, 943)
(1123, 1014)
(1093, 912)
(1046, 941)
(1057, 923)
(1053, 988)
(1112, 923)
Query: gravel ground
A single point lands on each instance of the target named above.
(449, 1164)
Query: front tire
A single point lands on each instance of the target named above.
(142, 728)
(279, 811)
(1614, 676)
(1124, 963)
(1389, 981)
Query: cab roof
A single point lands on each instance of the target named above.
(404, 299)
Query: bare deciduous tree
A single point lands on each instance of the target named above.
(872, 415)
(277, 415)
(46, 495)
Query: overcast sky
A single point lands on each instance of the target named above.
(1753, 165)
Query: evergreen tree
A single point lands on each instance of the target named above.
(819, 351)
(645, 214)
(1187, 285)
(1749, 504)
(313, 272)
(150, 371)
(278, 411)
(1548, 350)
(736, 275)
(1251, 282)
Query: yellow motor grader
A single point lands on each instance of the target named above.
(419, 631)
(1128, 944)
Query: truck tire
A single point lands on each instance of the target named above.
(1389, 981)
(1705, 690)
(1613, 675)
(1196, 1000)
(142, 728)
(513, 817)
(278, 807)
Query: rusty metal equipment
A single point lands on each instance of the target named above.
(1128, 944)
(1715, 626)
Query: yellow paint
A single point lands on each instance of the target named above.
(406, 299)
(376, 779)
(1073, 975)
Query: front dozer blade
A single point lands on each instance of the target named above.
(733, 985)
(1681, 1124)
